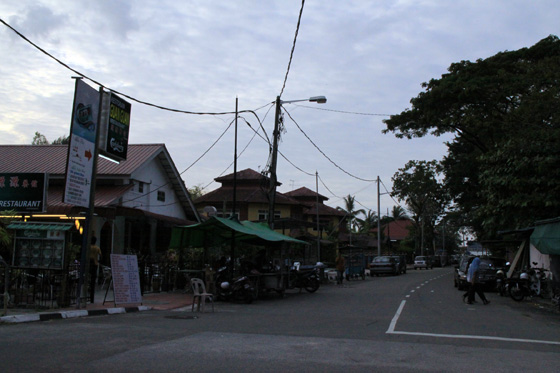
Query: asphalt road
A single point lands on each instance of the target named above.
(409, 323)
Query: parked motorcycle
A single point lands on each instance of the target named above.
(304, 277)
(238, 289)
(532, 282)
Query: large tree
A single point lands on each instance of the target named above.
(502, 165)
(418, 185)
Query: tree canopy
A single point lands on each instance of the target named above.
(501, 168)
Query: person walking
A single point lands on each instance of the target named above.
(340, 267)
(94, 256)
(474, 285)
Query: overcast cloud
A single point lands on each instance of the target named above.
(367, 57)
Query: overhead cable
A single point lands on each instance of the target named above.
(293, 48)
(118, 92)
(323, 153)
(341, 111)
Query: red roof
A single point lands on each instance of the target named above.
(305, 194)
(396, 230)
(51, 159)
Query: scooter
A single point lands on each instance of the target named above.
(237, 289)
(304, 277)
(530, 283)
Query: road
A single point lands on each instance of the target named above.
(409, 323)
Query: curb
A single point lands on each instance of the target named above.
(12, 319)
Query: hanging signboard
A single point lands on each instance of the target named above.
(81, 151)
(126, 279)
(115, 127)
(23, 193)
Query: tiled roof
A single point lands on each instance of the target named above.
(247, 174)
(305, 193)
(254, 195)
(52, 159)
(396, 230)
(323, 210)
(105, 196)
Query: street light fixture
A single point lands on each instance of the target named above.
(275, 135)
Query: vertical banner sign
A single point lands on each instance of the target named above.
(79, 164)
(24, 193)
(115, 124)
(126, 279)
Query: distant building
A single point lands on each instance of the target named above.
(295, 212)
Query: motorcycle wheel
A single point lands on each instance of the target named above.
(516, 293)
(312, 284)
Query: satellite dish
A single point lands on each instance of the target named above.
(209, 211)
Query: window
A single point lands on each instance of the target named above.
(140, 187)
(263, 214)
(161, 196)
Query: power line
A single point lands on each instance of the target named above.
(325, 155)
(192, 164)
(343, 112)
(293, 48)
(118, 92)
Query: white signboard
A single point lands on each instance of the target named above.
(81, 151)
(126, 279)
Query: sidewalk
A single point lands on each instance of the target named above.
(150, 301)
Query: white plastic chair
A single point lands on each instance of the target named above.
(200, 294)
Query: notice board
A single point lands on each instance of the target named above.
(126, 279)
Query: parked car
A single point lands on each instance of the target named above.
(423, 262)
(401, 260)
(384, 265)
(487, 270)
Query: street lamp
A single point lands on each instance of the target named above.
(275, 135)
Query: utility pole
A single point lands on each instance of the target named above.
(318, 226)
(378, 218)
(273, 161)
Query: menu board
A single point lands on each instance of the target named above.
(39, 249)
(126, 279)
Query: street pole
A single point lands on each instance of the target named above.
(273, 161)
(234, 199)
(317, 210)
(378, 219)
(86, 236)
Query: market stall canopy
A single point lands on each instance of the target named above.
(546, 236)
(218, 229)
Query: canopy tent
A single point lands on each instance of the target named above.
(546, 236)
(220, 229)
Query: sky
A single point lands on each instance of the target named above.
(369, 58)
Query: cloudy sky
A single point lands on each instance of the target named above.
(368, 58)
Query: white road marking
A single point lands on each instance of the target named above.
(393, 324)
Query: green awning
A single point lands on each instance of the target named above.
(546, 237)
(220, 230)
(39, 226)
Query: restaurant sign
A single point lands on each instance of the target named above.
(115, 127)
(23, 193)
(81, 151)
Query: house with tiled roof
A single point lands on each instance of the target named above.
(393, 233)
(251, 191)
(314, 207)
(137, 201)
(295, 212)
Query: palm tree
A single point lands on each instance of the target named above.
(368, 222)
(350, 211)
(398, 212)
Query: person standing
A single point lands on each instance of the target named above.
(474, 285)
(340, 267)
(94, 256)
